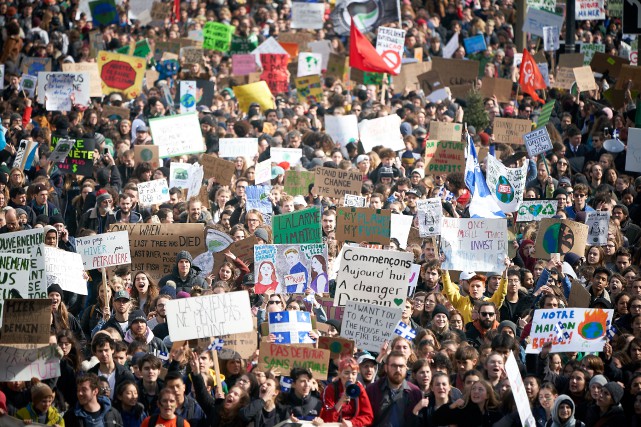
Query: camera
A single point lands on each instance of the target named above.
(352, 390)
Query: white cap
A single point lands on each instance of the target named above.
(467, 275)
(300, 200)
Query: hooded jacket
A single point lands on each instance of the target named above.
(556, 422)
(154, 344)
(185, 284)
(29, 413)
(78, 417)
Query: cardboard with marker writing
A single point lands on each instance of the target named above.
(560, 236)
(585, 79)
(26, 321)
(363, 225)
(215, 167)
(408, 77)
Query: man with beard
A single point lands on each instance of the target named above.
(124, 213)
(429, 276)
(486, 321)
(392, 397)
(158, 323)
(91, 409)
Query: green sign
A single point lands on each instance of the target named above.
(298, 227)
(297, 182)
(217, 36)
(546, 112)
(243, 44)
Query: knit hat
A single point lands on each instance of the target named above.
(39, 392)
(419, 172)
(56, 219)
(598, 379)
(261, 233)
(335, 323)
(54, 287)
(184, 255)
(509, 324)
(615, 390)
(136, 316)
(101, 196)
(3, 402)
(440, 309)
(20, 211)
(571, 258)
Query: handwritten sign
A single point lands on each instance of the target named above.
(79, 161)
(307, 15)
(385, 131)
(598, 223)
(302, 226)
(209, 316)
(511, 131)
(536, 210)
(238, 147)
(560, 236)
(104, 250)
(363, 225)
(507, 185)
(369, 325)
(65, 269)
(284, 358)
(214, 167)
(29, 243)
(121, 73)
(430, 212)
(153, 192)
(589, 10)
(580, 329)
(217, 36)
(331, 182)
(372, 276)
(537, 142)
(536, 19)
(474, 243)
(297, 182)
(290, 268)
(444, 156)
(389, 45)
(445, 131)
(177, 135)
(275, 72)
(633, 155)
(20, 364)
(243, 64)
(15, 274)
(342, 129)
(26, 321)
(56, 90)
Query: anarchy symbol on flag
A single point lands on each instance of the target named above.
(391, 58)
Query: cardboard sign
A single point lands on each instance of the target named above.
(585, 79)
(217, 36)
(598, 223)
(430, 212)
(214, 167)
(385, 131)
(633, 154)
(290, 269)
(478, 244)
(177, 135)
(16, 274)
(154, 246)
(363, 225)
(283, 358)
(370, 325)
(511, 131)
(536, 210)
(91, 70)
(29, 243)
(308, 15)
(342, 129)
(560, 236)
(209, 316)
(121, 73)
(507, 185)
(340, 347)
(456, 72)
(244, 344)
(579, 296)
(444, 156)
(243, 249)
(104, 250)
(298, 227)
(331, 182)
(629, 72)
(23, 364)
(32, 65)
(372, 276)
(564, 78)
(570, 60)
(147, 153)
(444, 131)
(605, 63)
(537, 142)
(338, 67)
(65, 269)
(581, 329)
(298, 182)
(26, 321)
(501, 88)
(408, 76)
(160, 11)
(153, 192)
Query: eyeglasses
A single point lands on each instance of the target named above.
(273, 302)
(292, 307)
(580, 195)
(635, 307)
(105, 389)
(486, 314)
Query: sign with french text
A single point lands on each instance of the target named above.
(478, 244)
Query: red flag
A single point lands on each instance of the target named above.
(363, 55)
(530, 77)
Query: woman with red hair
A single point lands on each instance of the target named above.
(345, 398)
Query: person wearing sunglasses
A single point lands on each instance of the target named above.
(485, 322)
(581, 194)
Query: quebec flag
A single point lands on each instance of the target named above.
(291, 327)
(482, 205)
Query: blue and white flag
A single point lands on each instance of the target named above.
(482, 204)
(405, 331)
(291, 327)
(286, 384)
(561, 332)
(163, 356)
(611, 330)
(217, 345)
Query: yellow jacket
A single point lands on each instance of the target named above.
(463, 303)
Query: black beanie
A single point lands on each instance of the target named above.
(440, 309)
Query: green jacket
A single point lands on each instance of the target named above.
(29, 413)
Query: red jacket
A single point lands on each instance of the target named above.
(365, 415)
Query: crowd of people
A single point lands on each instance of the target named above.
(119, 366)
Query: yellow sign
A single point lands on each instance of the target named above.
(121, 73)
(254, 92)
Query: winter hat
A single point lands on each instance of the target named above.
(39, 392)
(615, 390)
(362, 158)
(20, 211)
(136, 316)
(56, 219)
(509, 324)
(261, 233)
(101, 196)
(571, 258)
(386, 172)
(184, 255)
(54, 287)
(183, 294)
(440, 309)
(335, 323)
(598, 379)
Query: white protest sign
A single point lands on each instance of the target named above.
(307, 15)
(289, 155)
(589, 49)
(414, 275)
(179, 174)
(354, 201)
(209, 316)
(187, 96)
(60, 153)
(451, 46)
(309, 64)
(1, 76)
(29, 243)
(18, 364)
(373, 276)
(598, 223)
(177, 135)
(586, 10)
(536, 210)
(633, 154)
(28, 84)
(389, 44)
(369, 325)
(153, 192)
(324, 47)
(537, 142)
(518, 391)
(56, 89)
(507, 185)
(430, 212)
(104, 250)
(263, 172)
(478, 244)
(230, 148)
(66, 269)
(545, 72)
(195, 182)
(15, 273)
(400, 228)
(342, 129)
(550, 38)
(385, 131)
(536, 19)
(569, 329)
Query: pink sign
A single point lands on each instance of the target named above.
(243, 65)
